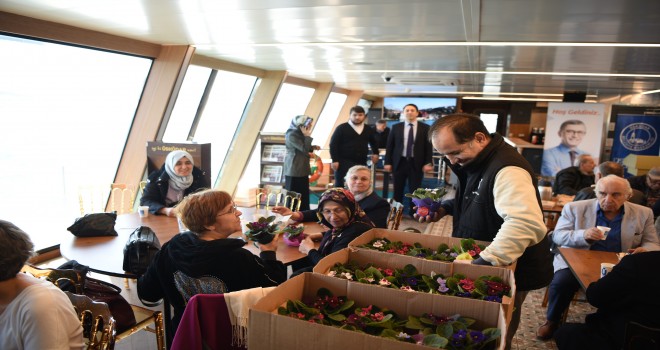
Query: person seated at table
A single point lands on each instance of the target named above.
(622, 296)
(602, 170)
(358, 181)
(339, 211)
(631, 230)
(572, 179)
(204, 259)
(34, 313)
(177, 178)
(649, 184)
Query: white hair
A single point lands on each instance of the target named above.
(613, 178)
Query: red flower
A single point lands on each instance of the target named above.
(467, 285)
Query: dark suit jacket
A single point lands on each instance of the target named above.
(422, 150)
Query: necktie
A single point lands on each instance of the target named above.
(572, 154)
(411, 140)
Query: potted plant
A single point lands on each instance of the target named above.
(262, 231)
(293, 235)
(427, 200)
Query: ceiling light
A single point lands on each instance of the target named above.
(649, 92)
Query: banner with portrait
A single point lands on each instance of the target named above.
(635, 134)
(572, 129)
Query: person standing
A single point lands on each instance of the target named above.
(349, 144)
(563, 155)
(409, 152)
(382, 132)
(298, 143)
(496, 201)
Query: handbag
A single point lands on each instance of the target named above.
(94, 225)
(140, 250)
(104, 292)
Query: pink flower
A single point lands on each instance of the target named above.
(467, 285)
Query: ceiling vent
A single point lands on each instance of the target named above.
(424, 81)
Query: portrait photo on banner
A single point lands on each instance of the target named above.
(572, 129)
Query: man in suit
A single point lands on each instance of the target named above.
(563, 155)
(604, 169)
(621, 296)
(631, 230)
(409, 152)
(349, 144)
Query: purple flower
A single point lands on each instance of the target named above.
(494, 298)
(477, 337)
(411, 281)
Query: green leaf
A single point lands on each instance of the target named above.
(389, 333)
(445, 330)
(359, 274)
(337, 317)
(435, 341)
(347, 305)
(413, 323)
(282, 311)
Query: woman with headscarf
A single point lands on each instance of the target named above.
(338, 211)
(177, 178)
(296, 170)
(358, 181)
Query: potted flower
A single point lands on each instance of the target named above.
(427, 200)
(262, 231)
(293, 235)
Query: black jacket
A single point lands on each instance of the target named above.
(475, 215)
(376, 208)
(329, 246)
(158, 183)
(570, 180)
(350, 148)
(224, 259)
(422, 149)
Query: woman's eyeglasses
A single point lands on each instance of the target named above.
(335, 211)
(232, 210)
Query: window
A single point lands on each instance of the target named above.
(325, 125)
(292, 100)
(187, 103)
(66, 112)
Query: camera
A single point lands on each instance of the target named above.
(386, 78)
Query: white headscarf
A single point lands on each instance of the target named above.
(177, 182)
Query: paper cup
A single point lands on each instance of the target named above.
(605, 268)
(604, 230)
(143, 211)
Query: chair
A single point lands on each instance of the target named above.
(144, 317)
(396, 213)
(122, 198)
(97, 322)
(92, 199)
(641, 337)
(291, 200)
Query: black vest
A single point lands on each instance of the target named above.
(475, 215)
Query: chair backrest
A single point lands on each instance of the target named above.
(57, 276)
(92, 198)
(396, 213)
(122, 198)
(641, 337)
(190, 286)
(291, 200)
(97, 322)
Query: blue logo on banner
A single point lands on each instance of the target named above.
(638, 136)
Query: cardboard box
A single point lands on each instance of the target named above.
(270, 331)
(640, 165)
(423, 266)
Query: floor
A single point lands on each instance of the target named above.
(533, 315)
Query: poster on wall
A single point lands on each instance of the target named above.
(635, 134)
(571, 129)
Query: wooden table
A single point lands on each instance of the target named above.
(585, 264)
(105, 254)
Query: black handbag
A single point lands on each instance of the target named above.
(94, 225)
(140, 250)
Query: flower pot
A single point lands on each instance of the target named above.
(425, 206)
(294, 241)
(262, 238)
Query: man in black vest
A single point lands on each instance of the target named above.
(496, 201)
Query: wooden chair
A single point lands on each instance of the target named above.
(122, 198)
(92, 199)
(291, 200)
(396, 213)
(144, 317)
(96, 320)
(641, 337)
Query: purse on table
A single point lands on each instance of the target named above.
(140, 250)
(94, 225)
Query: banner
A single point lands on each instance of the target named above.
(571, 129)
(635, 134)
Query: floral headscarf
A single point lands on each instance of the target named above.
(179, 183)
(346, 199)
(297, 122)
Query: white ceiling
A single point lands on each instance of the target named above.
(423, 45)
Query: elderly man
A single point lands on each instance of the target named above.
(572, 179)
(648, 184)
(631, 230)
(604, 169)
(496, 201)
(563, 155)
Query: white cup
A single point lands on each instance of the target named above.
(143, 210)
(182, 227)
(605, 268)
(604, 230)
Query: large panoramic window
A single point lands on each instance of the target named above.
(325, 125)
(66, 113)
(292, 100)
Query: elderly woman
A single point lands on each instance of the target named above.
(358, 181)
(204, 259)
(34, 313)
(298, 144)
(338, 211)
(177, 178)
